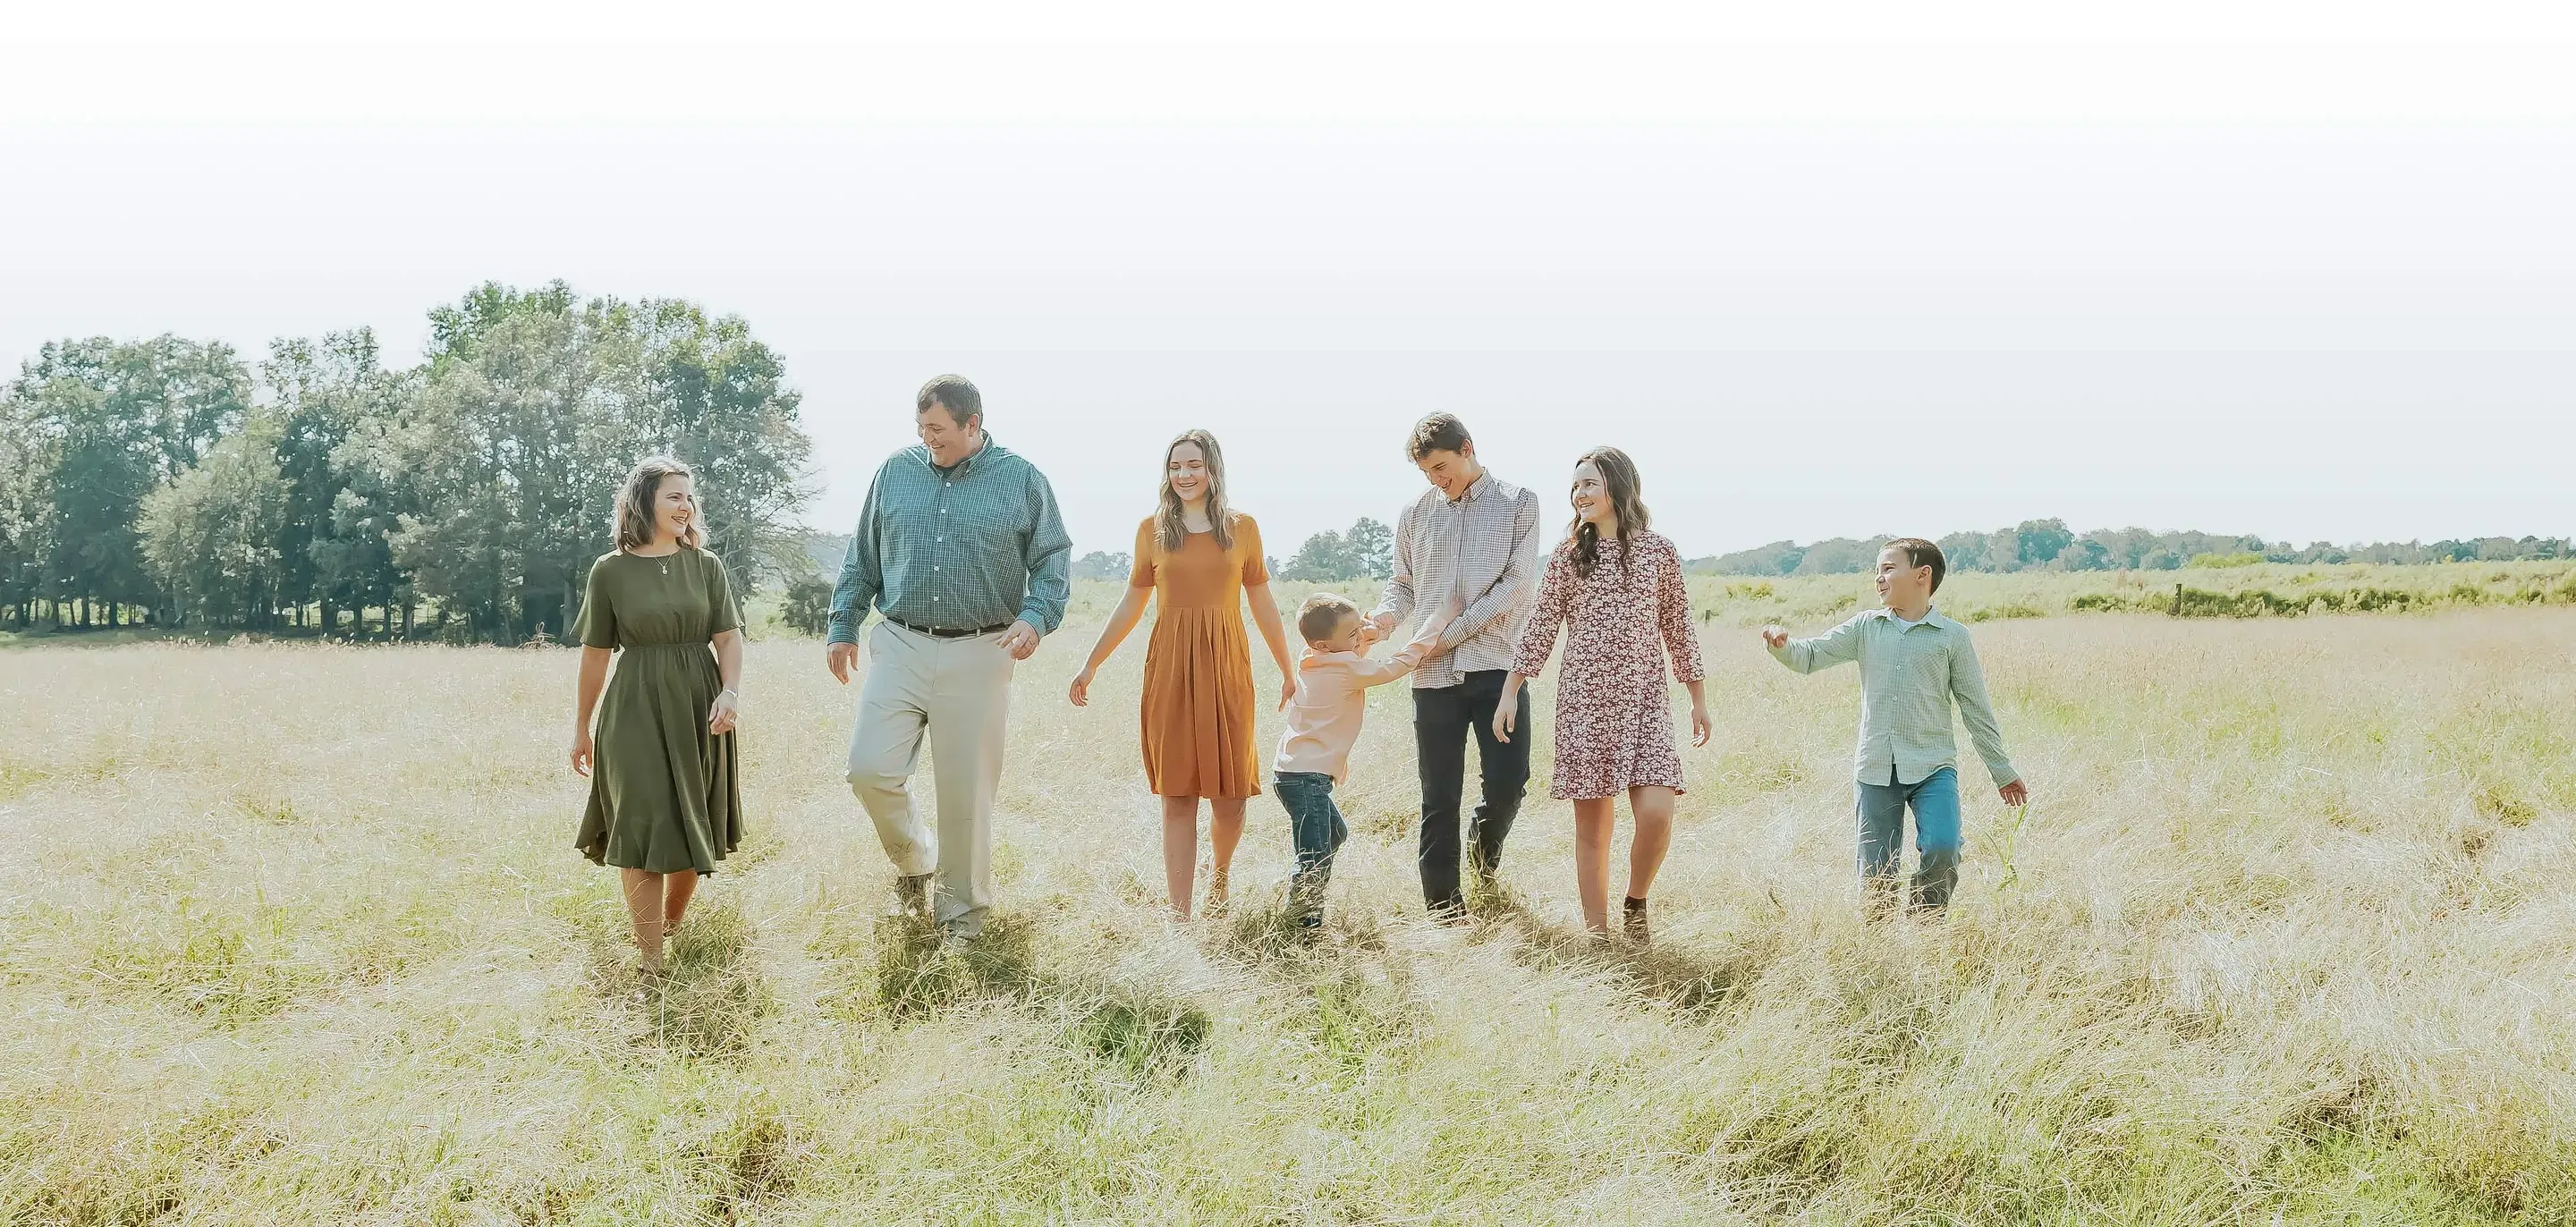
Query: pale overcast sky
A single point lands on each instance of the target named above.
(2300, 270)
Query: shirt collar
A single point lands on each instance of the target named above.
(1483, 484)
(962, 467)
(1931, 617)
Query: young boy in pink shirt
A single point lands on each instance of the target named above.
(1333, 678)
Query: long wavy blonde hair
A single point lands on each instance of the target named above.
(1171, 526)
(635, 505)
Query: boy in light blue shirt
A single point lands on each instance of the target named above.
(1914, 664)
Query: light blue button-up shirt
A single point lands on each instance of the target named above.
(1909, 675)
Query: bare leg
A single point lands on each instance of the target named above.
(644, 912)
(1225, 830)
(677, 889)
(1592, 822)
(1652, 808)
(1181, 852)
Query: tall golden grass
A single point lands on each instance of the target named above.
(294, 934)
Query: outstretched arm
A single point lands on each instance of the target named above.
(1832, 648)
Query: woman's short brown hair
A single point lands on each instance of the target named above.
(635, 513)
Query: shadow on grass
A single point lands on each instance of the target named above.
(1135, 1031)
(1697, 984)
(712, 998)
(1361, 1008)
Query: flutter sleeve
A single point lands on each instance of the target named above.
(597, 627)
(1247, 537)
(724, 613)
(1140, 574)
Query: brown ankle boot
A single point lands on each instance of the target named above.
(1632, 921)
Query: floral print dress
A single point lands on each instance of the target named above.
(1614, 710)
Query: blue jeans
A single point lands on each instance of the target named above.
(1881, 808)
(1317, 826)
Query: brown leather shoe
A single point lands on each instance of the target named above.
(1632, 921)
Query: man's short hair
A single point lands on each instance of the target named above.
(952, 393)
(1322, 614)
(1440, 432)
(1922, 553)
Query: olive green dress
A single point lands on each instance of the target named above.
(664, 795)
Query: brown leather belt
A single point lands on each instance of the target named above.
(951, 634)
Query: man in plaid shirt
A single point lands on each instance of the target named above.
(961, 548)
(1472, 537)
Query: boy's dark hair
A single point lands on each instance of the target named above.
(952, 393)
(1321, 615)
(1440, 432)
(1922, 553)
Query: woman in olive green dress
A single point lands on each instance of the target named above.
(665, 803)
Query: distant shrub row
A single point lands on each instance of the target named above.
(2188, 602)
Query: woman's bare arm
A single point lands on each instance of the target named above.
(1265, 615)
(585, 703)
(1122, 621)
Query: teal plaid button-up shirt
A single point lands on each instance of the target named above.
(1908, 677)
(961, 548)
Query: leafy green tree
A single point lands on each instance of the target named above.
(27, 463)
(1322, 559)
(2037, 543)
(808, 605)
(1098, 564)
(1372, 548)
(1366, 551)
(716, 398)
(113, 420)
(334, 548)
(211, 535)
(511, 452)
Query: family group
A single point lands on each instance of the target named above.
(961, 552)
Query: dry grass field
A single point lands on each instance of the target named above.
(294, 934)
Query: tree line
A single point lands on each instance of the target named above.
(2037, 545)
(166, 482)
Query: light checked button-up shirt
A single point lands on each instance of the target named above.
(1909, 676)
(1481, 548)
(975, 545)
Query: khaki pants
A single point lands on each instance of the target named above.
(959, 691)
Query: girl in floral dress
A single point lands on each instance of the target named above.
(1619, 588)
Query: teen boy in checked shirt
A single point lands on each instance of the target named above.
(1471, 538)
(1913, 663)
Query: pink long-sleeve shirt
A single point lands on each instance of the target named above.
(1332, 699)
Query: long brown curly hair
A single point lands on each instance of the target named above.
(1171, 524)
(635, 516)
(1619, 475)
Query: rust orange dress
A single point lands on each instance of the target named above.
(1197, 719)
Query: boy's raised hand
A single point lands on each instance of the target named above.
(1775, 636)
(2015, 794)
